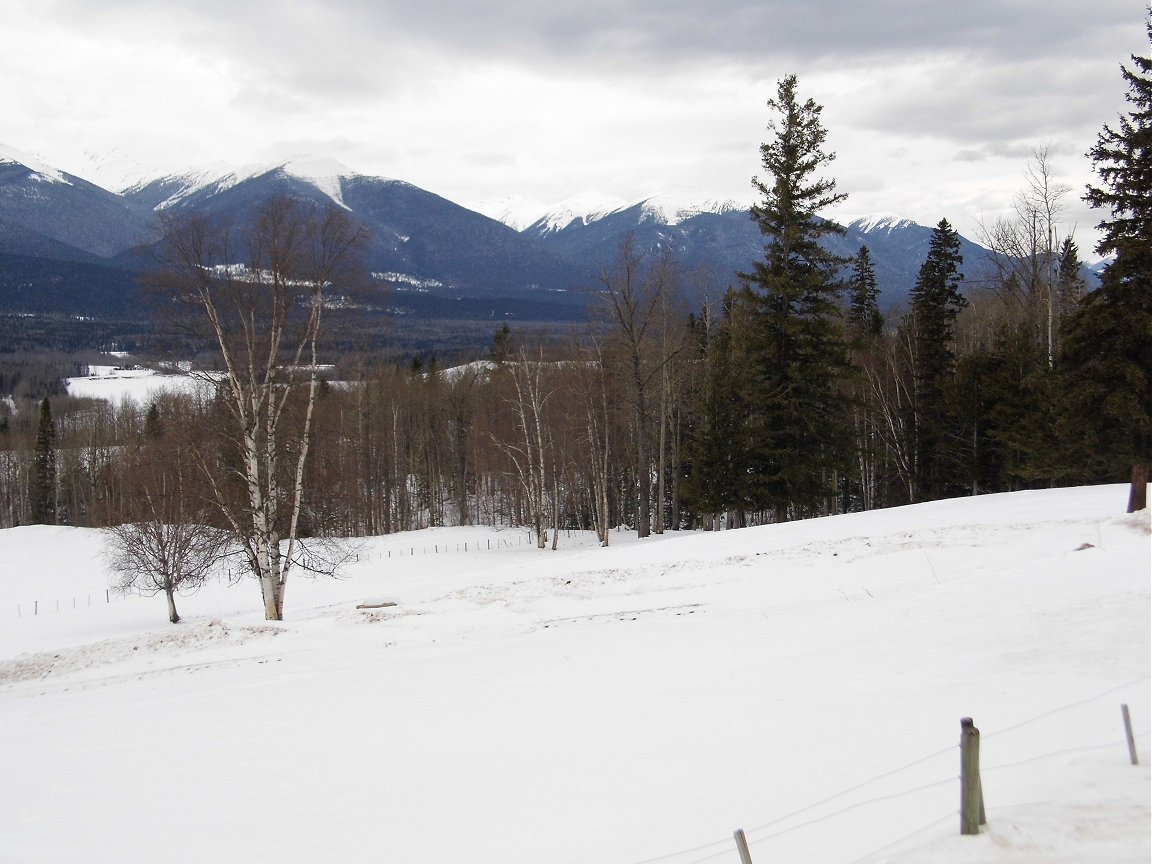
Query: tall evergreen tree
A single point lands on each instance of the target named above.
(1106, 363)
(864, 318)
(935, 302)
(1069, 280)
(797, 354)
(44, 469)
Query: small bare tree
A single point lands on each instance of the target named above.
(160, 539)
(157, 555)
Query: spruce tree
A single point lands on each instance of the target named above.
(153, 423)
(797, 351)
(1069, 280)
(1106, 362)
(44, 469)
(864, 318)
(935, 302)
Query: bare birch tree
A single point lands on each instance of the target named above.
(262, 289)
(529, 450)
(1026, 252)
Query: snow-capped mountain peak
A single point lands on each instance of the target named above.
(665, 208)
(880, 222)
(515, 211)
(37, 170)
(672, 208)
(319, 171)
(582, 209)
(322, 173)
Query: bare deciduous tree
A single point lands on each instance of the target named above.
(162, 555)
(636, 301)
(530, 452)
(160, 539)
(262, 290)
(1026, 251)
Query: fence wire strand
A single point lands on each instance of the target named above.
(726, 841)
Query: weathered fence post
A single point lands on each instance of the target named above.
(742, 847)
(971, 794)
(1138, 489)
(1128, 734)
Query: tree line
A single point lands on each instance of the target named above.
(786, 393)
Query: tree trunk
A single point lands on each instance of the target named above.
(169, 594)
(660, 459)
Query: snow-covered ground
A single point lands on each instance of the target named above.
(804, 682)
(114, 384)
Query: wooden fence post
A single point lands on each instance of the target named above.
(742, 847)
(971, 793)
(1128, 734)
(1138, 489)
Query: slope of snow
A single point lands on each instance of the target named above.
(515, 211)
(39, 170)
(319, 171)
(672, 206)
(628, 704)
(190, 182)
(582, 208)
(669, 207)
(113, 170)
(880, 222)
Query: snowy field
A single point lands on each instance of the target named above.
(804, 682)
(114, 384)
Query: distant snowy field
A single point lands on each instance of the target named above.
(604, 706)
(140, 386)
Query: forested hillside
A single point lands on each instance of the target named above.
(790, 394)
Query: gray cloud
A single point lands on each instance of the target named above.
(929, 103)
(321, 45)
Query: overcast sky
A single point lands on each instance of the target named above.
(932, 106)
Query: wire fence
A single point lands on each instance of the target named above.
(760, 836)
(52, 605)
(484, 545)
(95, 597)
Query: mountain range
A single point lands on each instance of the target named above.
(69, 247)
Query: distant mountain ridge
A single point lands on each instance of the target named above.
(432, 257)
(45, 212)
